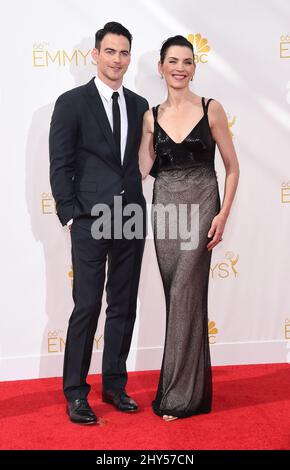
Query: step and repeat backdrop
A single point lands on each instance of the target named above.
(243, 61)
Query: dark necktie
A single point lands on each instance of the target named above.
(116, 122)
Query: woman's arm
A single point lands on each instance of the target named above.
(221, 134)
(146, 151)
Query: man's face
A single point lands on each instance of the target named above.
(112, 59)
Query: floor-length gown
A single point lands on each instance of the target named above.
(185, 174)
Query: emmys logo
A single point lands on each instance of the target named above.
(201, 47)
(56, 342)
(212, 331)
(285, 192)
(47, 204)
(285, 47)
(231, 122)
(43, 57)
(71, 276)
(225, 269)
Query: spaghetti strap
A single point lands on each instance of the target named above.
(155, 113)
(205, 106)
(211, 99)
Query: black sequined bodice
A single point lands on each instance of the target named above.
(197, 148)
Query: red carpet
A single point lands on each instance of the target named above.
(251, 410)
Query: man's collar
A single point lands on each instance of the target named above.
(105, 90)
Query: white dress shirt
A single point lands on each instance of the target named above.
(106, 95)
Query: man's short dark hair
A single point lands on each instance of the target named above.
(113, 28)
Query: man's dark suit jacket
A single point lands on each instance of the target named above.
(84, 165)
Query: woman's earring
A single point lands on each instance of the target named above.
(192, 78)
(161, 76)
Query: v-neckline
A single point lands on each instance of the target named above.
(179, 143)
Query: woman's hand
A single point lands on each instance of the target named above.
(216, 230)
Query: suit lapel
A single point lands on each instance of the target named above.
(132, 121)
(96, 105)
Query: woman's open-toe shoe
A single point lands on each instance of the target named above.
(169, 418)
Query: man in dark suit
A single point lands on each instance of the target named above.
(94, 140)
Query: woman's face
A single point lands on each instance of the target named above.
(178, 67)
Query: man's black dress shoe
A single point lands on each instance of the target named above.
(120, 400)
(80, 412)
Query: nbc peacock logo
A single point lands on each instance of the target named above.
(212, 332)
(201, 47)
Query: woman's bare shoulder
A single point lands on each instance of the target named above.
(148, 120)
(214, 105)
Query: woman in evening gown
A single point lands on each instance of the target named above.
(178, 149)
